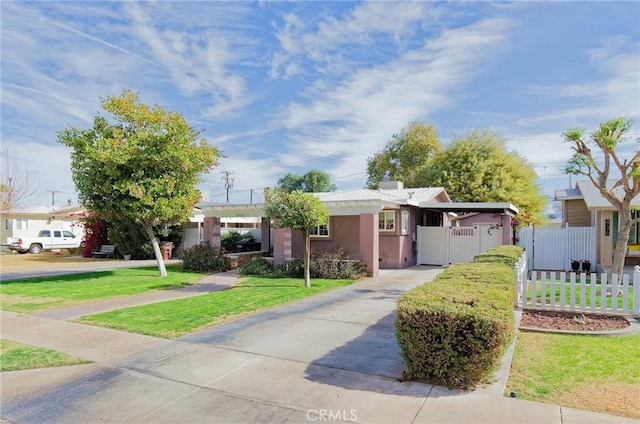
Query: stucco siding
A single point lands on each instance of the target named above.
(344, 232)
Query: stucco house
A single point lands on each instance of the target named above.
(384, 228)
(584, 206)
(27, 222)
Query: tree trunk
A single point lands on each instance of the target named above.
(623, 240)
(307, 259)
(156, 250)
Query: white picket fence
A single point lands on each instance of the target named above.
(554, 248)
(571, 292)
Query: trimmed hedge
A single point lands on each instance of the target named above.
(454, 330)
(505, 254)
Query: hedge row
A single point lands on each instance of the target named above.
(454, 330)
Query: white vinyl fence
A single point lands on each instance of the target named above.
(554, 248)
(571, 292)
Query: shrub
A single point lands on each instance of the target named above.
(454, 330)
(256, 266)
(505, 254)
(204, 258)
(331, 265)
(336, 264)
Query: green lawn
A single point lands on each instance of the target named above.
(178, 317)
(40, 294)
(16, 356)
(578, 295)
(595, 373)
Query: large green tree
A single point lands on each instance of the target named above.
(299, 211)
(143, 164)
(405, 157)
(477, 167)
(313, 181)
(616, 178)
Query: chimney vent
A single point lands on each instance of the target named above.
(391, 185)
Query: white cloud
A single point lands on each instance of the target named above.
(372, 104)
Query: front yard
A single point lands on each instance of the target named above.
(595, 373)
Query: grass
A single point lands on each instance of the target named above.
(178, 317)
(16, 356)
(44, 293)
(600, 374)
(578, 295)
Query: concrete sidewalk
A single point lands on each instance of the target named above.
(332, 357)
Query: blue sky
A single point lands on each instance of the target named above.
(291, 86)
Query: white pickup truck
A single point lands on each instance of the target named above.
(46, 240)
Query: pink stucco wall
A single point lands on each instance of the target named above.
(396, 248)
(343, 233)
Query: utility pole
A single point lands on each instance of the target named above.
(53, 196)
(228, 181)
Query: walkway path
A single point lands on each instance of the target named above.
(330, 357)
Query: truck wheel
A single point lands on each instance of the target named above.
(35, 249)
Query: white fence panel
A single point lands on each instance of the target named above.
(554, 248)
(433, 245)
(464, 244)
(580, 292)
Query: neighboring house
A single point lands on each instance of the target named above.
(584, 206)
(383, 228)
(27, 222)
(193, 233)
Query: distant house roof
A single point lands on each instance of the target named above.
(592, 197)
(70, 210)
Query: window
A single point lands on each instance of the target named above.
(405, 222)
(320, 231)
(8, 224)
(634, 233)
(22, 224)
(387, 220)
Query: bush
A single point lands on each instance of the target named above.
(330, 265)
(256, 266)
(336, 265)
(505, 254)
(454, 330)
(228, 240)
(204, 258)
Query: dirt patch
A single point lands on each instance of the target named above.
(49, 261)
(614, 398)
(569, 321)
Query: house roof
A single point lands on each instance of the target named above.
(348, 202)
(498, 207)
(44, 210)
(592, 197)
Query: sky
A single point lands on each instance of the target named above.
(286, 87)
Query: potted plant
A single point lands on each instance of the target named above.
(586, 265)
(575, 265)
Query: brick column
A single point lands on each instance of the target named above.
(282, 245)
(212, 231)
(370, 242)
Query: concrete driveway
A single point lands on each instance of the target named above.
(332, 357)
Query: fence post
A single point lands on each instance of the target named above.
(636, 290)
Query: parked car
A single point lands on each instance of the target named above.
(46, 240)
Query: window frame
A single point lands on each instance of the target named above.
(404, 222)
(383, 220)
(317, 231)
